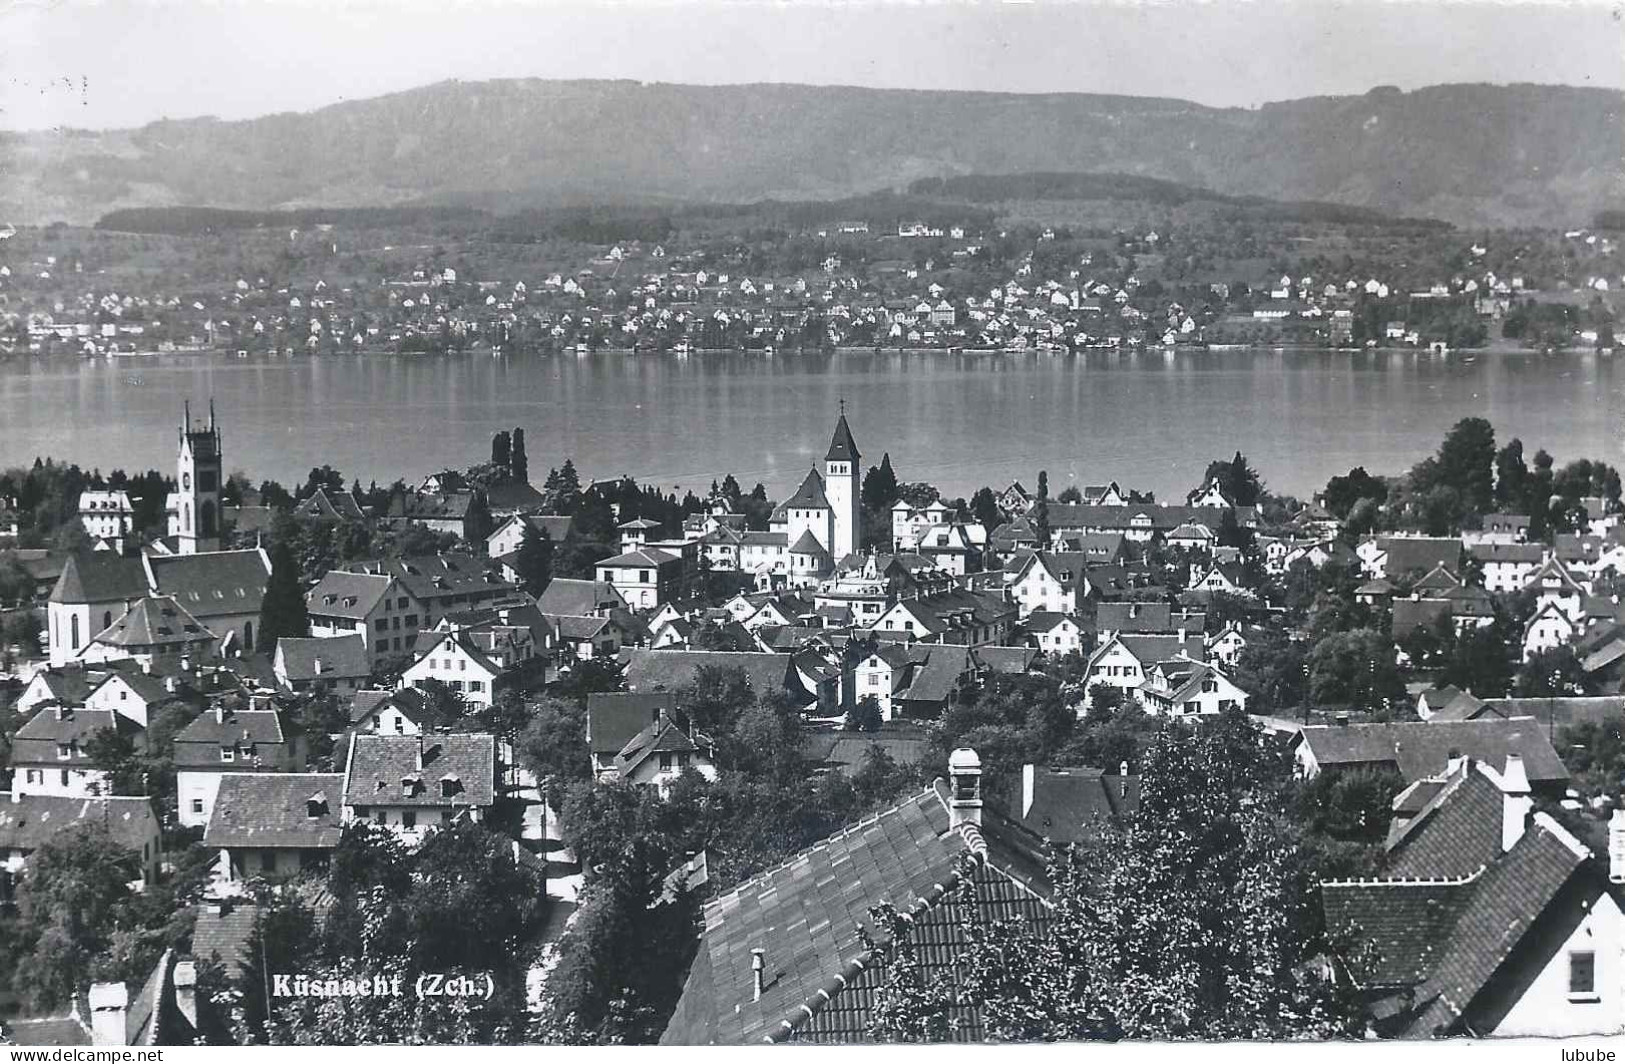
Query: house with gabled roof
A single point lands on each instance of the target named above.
(1125, 661)
(1415, 749)
(614, 718)
(1222, 578)
(662, 751)
(275, 824)
(1491, 920)
(966, 618)
(579, 598)
(449, 582)
(50, 752)
(1553, 583)
(412, 784)
(377, 607)
(768, 674)
(30, 820)
(320, 665)
(223, 741)
(777, 960)
(329, 506)
(479, 675)
(1507, 567)
(1180, 687)
(1055, 634)
(1049, 581)
(645, 577)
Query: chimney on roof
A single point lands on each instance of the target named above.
(965, 783)
(420, 752)
(186, 990)
(1516, 802)
(1029, 778)
(1342, 718)
(1122, 769)
(758, 971)
(61, 711)
(146, 666)
(319, 663)
(109, 1004)
(220, 713)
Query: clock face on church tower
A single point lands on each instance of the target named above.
(186, 480)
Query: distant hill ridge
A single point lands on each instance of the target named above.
(1471, 154)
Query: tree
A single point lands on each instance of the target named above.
(879, 490)
(534, 562)
(282, 610)
(1465, 464)
(864, 716)
(1343, 492)
(1194, 919)
(114, 752)
(1553, 673)
(69, 905)
(1237, 479)
(1355, 669)
(1512, 478)
(518, 461)
(501, 449)
(554, 743)
(984, 508)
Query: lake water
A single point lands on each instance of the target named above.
(1149, 420)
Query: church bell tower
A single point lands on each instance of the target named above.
(198, 480)
(841, 488)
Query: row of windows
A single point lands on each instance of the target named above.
(384, 624)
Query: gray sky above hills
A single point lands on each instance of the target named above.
(119, 63)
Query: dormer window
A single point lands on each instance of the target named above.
(450, 786)
(316, 805)
(228, 753)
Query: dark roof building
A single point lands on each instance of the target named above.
(277, 810)
(812, 980)
(1417, 749)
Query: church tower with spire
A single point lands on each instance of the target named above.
(199, 478)
(841, 488)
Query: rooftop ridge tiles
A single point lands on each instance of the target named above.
(854, 967)
(1407, 881)
(822, 844)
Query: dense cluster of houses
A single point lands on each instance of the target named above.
(636, 295)
(139, 632)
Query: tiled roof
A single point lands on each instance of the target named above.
(1509, 897)
(842, 447)
(31, 820)
(350, 596)
(1419, 553)
(1012, 660)
(157, 622)
(36, 741)
(214, 584)
(805, 915)
(614, 718)
(1456, 833)
(257, 726)
(380, 763)
(273, 810)
(671, 670)
(98, 577)
(436, 576)
(340, 656)
(809, 496)
(660, 737)
(1420, 749)
(223, 930)
(1071, 804)
(1135, 617)
(1406, 923)
(577, 598)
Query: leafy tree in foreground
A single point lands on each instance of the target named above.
(282, 610)
(1193, 921)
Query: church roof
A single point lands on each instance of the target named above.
(810, 495)
(842, 448)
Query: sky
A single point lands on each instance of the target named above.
(117, 63)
